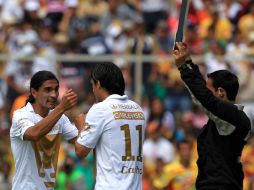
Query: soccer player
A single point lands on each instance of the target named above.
(222, 139)
(36, 133)
(115, 127)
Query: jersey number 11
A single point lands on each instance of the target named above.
(128, 153)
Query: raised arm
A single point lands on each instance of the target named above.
(217, 110)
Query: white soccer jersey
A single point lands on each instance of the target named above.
(116, 127)
(36, 162)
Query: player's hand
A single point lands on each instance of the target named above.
(69, 100)
(181, 53)
(79, 121)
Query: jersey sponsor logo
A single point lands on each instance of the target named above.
(124, 106)
(113, 106)
(118, 115)
(130, 170)
(46, 155)
(87, 127)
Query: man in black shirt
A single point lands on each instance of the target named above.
(222, 139)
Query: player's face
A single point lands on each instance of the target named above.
(47, 94)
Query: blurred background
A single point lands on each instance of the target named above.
(68, 37)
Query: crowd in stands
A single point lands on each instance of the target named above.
(220, 31)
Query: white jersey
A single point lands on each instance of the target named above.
(116, 127)
(36, 161)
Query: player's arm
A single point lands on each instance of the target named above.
(41, 128)
(81, 151)
(91, 130)
(79, 122)
(68, 15)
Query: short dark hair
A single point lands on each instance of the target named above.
(37, 80)
(110, 77)
(226, 80)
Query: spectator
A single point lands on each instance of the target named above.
(162, 119)
(60, 13)
(157, 147)
(69, 177)
(248, 163)
(182, 173)
(246, 22)
(18, 72)
(153, 11)
(117, 11)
